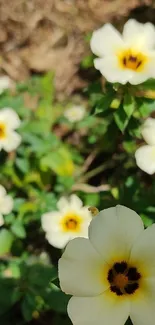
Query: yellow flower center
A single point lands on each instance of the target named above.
(2, 130)
(71, 222)
(129, 59)
(123, 279)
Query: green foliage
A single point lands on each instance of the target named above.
(93, 158)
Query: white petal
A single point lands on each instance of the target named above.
(81, 268)
(50, 221)
(11, 118)
(148, 131)
(113, 231)
(105, 40)
(1, 220)
(75, 201)
(143, 252)
(6, 205)
(139, 35)
(138, 78)
(58, 239)
(145, 159)
(143, 308)
(105, 309)
(2, 191)
(63, 203)
(12, 141)
(109, 68)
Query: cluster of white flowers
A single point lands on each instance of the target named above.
(111, 275)
(71, 220)
(145, 155)
(6, 204)
(129, 57)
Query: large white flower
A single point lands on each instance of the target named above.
(71, 220)
(6, 204)
(111, 275)
(129, 57)
(75, 113)
(145, 155)
(9, 121)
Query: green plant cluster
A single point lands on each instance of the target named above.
(93, 158)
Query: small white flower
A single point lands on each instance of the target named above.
(129, 57)
(71, 220)
(111, 275)
(5, 83)
(145, 155)
(75, 113)
(6, 204)
(9, 121)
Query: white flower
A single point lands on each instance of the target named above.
(145, 155)
(5, 83)
(6, 204)
(75, 113)
(111, 275)
(9, 121)
(129, 57)
(70, 221)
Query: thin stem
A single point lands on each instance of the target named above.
(97, 170)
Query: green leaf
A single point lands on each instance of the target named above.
(121, 118)
(129, 105)
(147, 221)
(28, 306)
(59, 161)
(92, 199)
(87, 62)
(18, 229)
(130, 146)
(9, 294)
(23, 165)
(47, 86)
(146, 107)
(149, 84)
(6, 240)
(104, 103)
(41, 275)
(57, 300)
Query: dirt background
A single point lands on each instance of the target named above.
(38, 36)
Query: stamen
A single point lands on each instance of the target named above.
(110, 276)
(124, 61)
(133, 275)
(123, 279)
(71, 224)
(116, 290)
(139, 63)
(131, 288)
(132, 58)
(120, 267)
